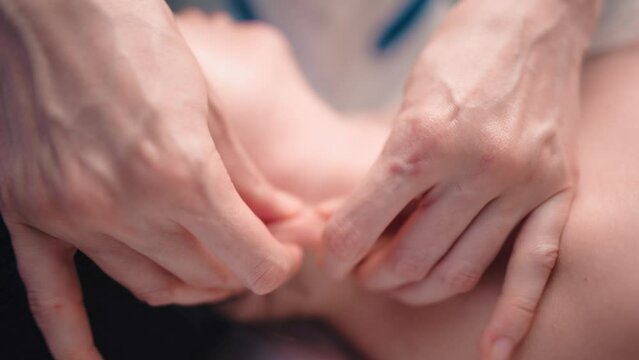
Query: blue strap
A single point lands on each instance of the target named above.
(407, 17)
(243, 10)
(404, 21)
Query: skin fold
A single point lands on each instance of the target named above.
(589, 308)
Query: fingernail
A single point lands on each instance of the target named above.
(502, 349)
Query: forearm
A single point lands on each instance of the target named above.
(485, 49)
(63, 24)
(569, 21)
(79, 10)
(85, 53)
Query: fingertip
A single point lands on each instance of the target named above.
(502, 349)
(276, 272)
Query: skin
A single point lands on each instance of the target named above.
(110, 144)
(588, 310)
(485, 132)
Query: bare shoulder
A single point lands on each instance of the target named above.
(590, 308)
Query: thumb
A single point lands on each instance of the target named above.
(267, 202)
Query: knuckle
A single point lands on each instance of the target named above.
(174, 175)
(35, 208)
(462, 279)
(267, 276)
(523, 307)
(404, 165)
(84, 195)
(494, 143)
(425, 134)
(498, 151)
(417, 142)
(510, 160)
(31, 206)
(86, 199)
(161, 164)
(545, 256)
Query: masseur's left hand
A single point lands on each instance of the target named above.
(483, 142)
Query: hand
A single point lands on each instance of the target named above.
(289, 133)
(108, 144)
(482, 143)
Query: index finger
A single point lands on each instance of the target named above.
(533, 259)
(355, 227)
(55, 297)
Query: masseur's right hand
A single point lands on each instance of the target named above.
(109, 145)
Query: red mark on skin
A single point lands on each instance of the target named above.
(395, 168)
(415, 158)
(485, 163)
(402, 168)
(410, 166)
